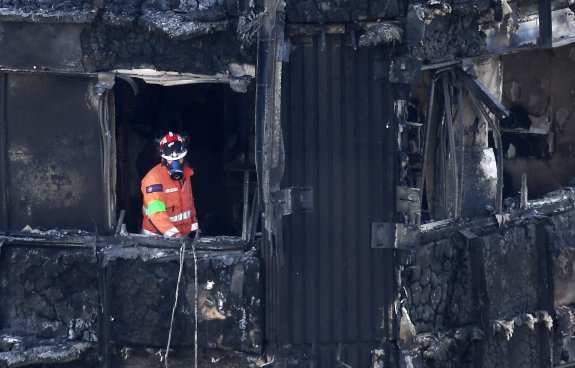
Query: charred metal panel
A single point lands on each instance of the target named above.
(41, 46)
(339, 139)
(49, 293)
(53, 153)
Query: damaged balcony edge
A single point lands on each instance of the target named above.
(217, 243)
(557, 202)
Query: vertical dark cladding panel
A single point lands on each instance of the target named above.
(3, 156)
(54, 161)
(339, 139)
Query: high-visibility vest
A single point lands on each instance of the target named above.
(168, 204)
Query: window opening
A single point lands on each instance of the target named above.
(220, 125)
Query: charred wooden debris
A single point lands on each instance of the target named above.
(380, 183)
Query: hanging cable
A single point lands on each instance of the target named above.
(451, 141)
(195, 305)
(182, 257)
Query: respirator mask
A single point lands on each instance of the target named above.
(173, 149)
(176, 170)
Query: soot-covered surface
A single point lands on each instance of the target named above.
(495, 295)
(88, 303)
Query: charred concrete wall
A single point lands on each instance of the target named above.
(498, 296)
(61, 305)
(200, 37)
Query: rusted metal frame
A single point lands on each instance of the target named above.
(545, 38)
(4, 220)
(451, 139)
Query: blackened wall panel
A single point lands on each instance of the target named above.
(47, 46)
(3, 156)
(53, 153)
(339, 139)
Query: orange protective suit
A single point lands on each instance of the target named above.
(168, 204)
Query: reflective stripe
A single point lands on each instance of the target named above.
(194, 226)
(170, 232)
(148, 232)
(182, 216)
(155, 206)
(173, 231)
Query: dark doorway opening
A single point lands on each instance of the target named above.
(220, 126)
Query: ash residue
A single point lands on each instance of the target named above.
(47, 6)
(249, 24)
(381, 34)
(176, 27)
(186, 9)
(334, 11)
(107, 48)
(450, 35)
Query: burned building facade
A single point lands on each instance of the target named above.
(378, 183)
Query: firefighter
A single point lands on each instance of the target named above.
(167, 189)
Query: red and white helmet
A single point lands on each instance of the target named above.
(173, 146)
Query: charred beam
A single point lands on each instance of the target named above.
(89, 241)
(482, 94)
(561, 202)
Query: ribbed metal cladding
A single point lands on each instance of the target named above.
(339, 134)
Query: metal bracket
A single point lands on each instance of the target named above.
(105, 83)
(407, 200)
(284, 50)
(405, 70)
(293, 200)
(392, 235)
